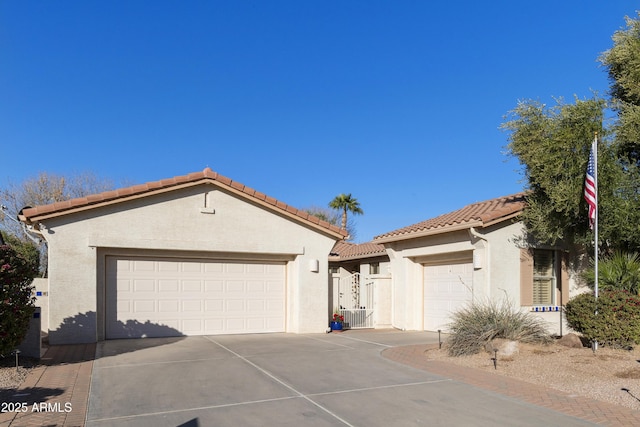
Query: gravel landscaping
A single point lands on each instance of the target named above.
(10, 377)
(609, 375)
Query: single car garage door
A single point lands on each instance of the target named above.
(447, 287)
(154, 297)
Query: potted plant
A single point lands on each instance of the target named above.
(337, 321)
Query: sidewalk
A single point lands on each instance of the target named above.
(55, 393)
(601, 413)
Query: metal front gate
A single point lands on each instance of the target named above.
(355, 299)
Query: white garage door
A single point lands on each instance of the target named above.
(149, 297)
(447, 288)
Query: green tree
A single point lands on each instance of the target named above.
(553, 143)
(622, 62)
(16, 298)
(344, 203)
(27, 250)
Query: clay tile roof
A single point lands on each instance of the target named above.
(38, 213)
(346, 250)
(480, 214)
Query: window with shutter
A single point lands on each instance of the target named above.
(544, 277)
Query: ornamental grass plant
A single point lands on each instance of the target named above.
(479, 323)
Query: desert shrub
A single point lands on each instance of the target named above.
(16, 298)
(620, 270)
(617, 323)
(479, 323)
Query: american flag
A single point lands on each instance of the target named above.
(590, 194)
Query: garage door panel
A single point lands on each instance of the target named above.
(234, 305)
(213, 286)
(192, 306)
(192, 325)
(255, 268)
(168, 322)
(272, 286)
(275, 306)
(191, 286)
(168, 285)
(143, 266)
(271, 322)
(213, 268)
(235, 286)
(256, 286)
(124, 285)
(256, 323)
(214, 305)
(169, 266)
(235, 268)
(200, 297)
(124, 307)
(144, 306)
(272, 269)
(256, 306)
(144, 286)
(190, 267)
(236, 323)
(447, 288)
(213, 326)
(168, 306)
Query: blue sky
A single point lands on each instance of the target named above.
(396, 102)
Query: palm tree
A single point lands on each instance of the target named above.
(346, 203)
(620, 270)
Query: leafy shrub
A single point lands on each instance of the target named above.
(617, 323)
(16, 298)
(476, 325)
(620, 270)
(24, 249)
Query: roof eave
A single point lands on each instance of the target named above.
(28, 219)
(429, 232)
(502, 219)
(337, 234)
(442, 230)
(355, 257)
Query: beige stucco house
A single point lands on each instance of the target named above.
(191, 255)
(438, 266)
(202, 254)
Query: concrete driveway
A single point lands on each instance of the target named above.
(333, 379)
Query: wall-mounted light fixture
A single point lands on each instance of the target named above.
(477, 261)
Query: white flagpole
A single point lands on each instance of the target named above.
(595, 224)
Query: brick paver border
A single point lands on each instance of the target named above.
(57, 392)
